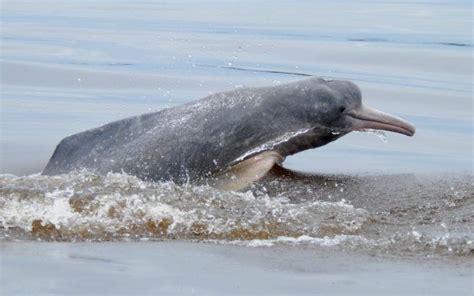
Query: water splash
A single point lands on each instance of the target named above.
(385, 214)
(85, 206)
(270, 145)
(380, 134)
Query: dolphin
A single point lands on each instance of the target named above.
(231, 139)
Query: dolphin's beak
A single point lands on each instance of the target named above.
(368, 118)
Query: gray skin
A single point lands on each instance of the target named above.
(207, 136)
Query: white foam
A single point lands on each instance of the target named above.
(118, 202)
(303, 239)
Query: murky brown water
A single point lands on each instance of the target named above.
(417, 214)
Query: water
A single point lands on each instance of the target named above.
(397, 214)
(67, 66)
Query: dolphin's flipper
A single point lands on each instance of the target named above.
(242, 174)
(278, 171)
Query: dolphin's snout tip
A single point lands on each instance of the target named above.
(412, 131)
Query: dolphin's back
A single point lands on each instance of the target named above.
(92, 149)
(176, 144)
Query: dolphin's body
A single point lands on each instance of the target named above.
(239, 134)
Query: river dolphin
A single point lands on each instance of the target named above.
(230, 138)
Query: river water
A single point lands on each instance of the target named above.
(67, 66)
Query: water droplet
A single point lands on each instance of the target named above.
(380, 134)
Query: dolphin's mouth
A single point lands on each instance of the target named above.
(368, 118)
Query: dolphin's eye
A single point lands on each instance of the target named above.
(342, 109)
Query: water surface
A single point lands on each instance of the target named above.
(67, 66)
(70, 66)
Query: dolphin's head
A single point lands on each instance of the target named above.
(337, 105)
(325, 110)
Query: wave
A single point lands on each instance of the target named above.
(384, 213)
